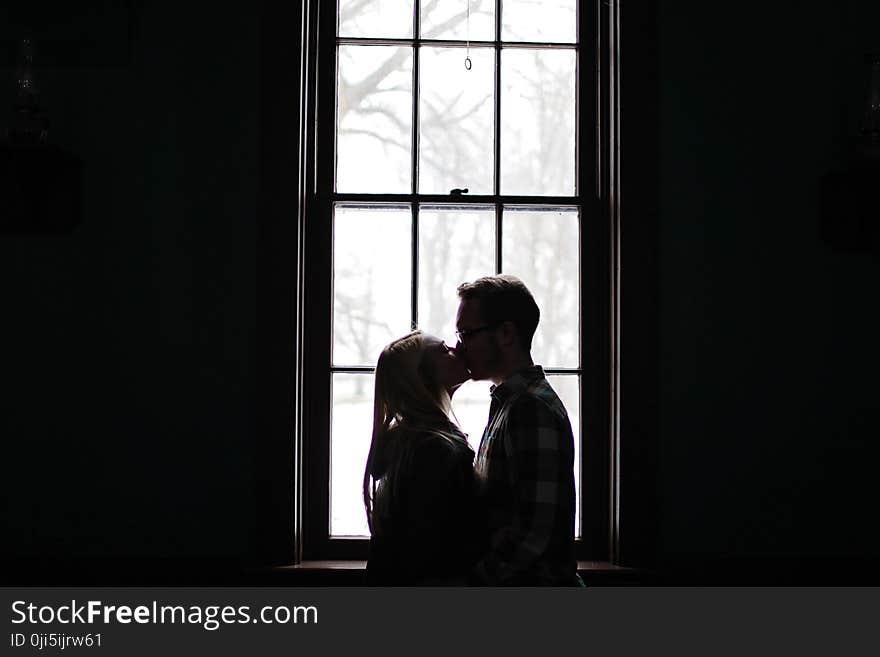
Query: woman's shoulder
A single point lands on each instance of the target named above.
(448, 437)
(450, 447)
(432, 444)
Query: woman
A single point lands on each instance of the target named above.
(418, 482)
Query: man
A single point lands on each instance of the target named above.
(525, 464)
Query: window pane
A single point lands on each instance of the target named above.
(539, 20)
(538, 122)
(470, 405)
(456, 118)
(350, 432)
(447, 19)
(456, 244)
(376, 18)
(540, 246)
(371, 281)
(374, 119)
(567, 386)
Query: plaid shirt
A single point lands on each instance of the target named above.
(525, 478)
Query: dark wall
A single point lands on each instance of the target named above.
(127, 360)
(133, 394)
(768, 356)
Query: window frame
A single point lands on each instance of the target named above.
(595, 184)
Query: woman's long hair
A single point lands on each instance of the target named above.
(408, 400)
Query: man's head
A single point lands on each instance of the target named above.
(496, 321)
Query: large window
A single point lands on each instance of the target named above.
(455, 139)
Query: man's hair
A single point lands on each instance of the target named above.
(505, 298)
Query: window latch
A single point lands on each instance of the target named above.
(458, 191)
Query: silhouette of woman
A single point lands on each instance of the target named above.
(418, 482)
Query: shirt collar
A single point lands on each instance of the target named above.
(517, 382)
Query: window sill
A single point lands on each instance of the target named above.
(351, 572)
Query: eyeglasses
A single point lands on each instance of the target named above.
(464, 334)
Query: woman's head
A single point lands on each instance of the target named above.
(416, 376)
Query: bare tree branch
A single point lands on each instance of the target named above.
(382, 138)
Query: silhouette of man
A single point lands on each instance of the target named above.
(525, 463)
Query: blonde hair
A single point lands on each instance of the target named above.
(408, 400)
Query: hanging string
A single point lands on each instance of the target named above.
(467, 58)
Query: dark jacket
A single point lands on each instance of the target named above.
(426, 526)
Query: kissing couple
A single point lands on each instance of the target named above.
(440, 514)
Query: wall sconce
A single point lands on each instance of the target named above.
(29, 124)
(40, 184)
(869, 141)
(849, 200)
